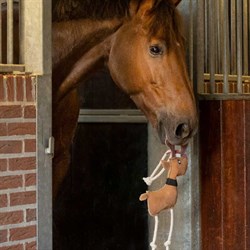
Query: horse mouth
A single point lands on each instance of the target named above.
(173, 149)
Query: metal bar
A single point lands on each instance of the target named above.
(231, 78)
(1, 57)
(111, 116)
(212, 48)
(21, 32)
(249, 31)
(225, 46)
(224, 97)
(200, 45)
(111, 119)
(239, 46)
(205, 33)
(191, 42)
(112, 112)
(217, 27)
(9, 31)
(7, 68)
(245, 36)
(221, 34)
(233, 37)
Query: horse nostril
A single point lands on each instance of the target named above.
(182, 131)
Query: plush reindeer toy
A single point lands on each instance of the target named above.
(166, 196)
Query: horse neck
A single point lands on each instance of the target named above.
(72, 39)
(173, 172)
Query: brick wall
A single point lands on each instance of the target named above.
(18, 226)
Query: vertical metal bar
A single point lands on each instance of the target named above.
(233, 38)
(200, 45)
(206, 35)
(245, 36)
(1, 57)
(217, 27)
(225, 45)
(212, 47)
(191, 42)
(21, 32)
(249, 33)
(239, 46)
(9, 31)
(221, 35)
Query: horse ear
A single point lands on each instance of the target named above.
(143, 6)
(133, 7)
(176, 2)
(140, 7)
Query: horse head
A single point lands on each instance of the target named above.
(147, 61)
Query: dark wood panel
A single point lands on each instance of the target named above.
(232, 182)
(210, 152)
(247, 160)
(225, 174)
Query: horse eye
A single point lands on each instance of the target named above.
(155, 50)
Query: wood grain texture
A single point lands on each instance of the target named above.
(233, 181)
(247, 186)
(211, 174)
(225, 175)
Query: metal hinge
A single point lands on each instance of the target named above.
(51, 147)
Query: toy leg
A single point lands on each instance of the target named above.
(168, 242)
(152, 244)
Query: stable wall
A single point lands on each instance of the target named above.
(18, 171)
(225, 175)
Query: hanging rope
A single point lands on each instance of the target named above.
(152, 244)
(149, 180)
(168, 242)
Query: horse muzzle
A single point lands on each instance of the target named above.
(176, 131)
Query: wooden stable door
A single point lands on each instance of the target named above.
(225, 174)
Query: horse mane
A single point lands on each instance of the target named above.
(163, 19)
(94, 9)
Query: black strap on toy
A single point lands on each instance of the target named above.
(171, 182)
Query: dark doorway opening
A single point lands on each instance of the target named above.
(98, 205)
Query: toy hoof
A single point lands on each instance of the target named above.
(143, 197)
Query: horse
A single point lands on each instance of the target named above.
(140, 42)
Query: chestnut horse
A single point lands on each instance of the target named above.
(143, 48)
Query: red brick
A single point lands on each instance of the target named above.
(10, 147)
(30, 89)
(22, 198)
(3, 236)
(30, 215)
(30, 145)
(3, 129)
(30, 111)
(3, 165)
(3, 200)
(22, 233)
(30, 246)
(19, 88)
(14, 247)
(8, 218)
(30, 180)
(26, 128)
(10, 111)
(12, 181)
(2, 91)
(10, 88)
(26, 163)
